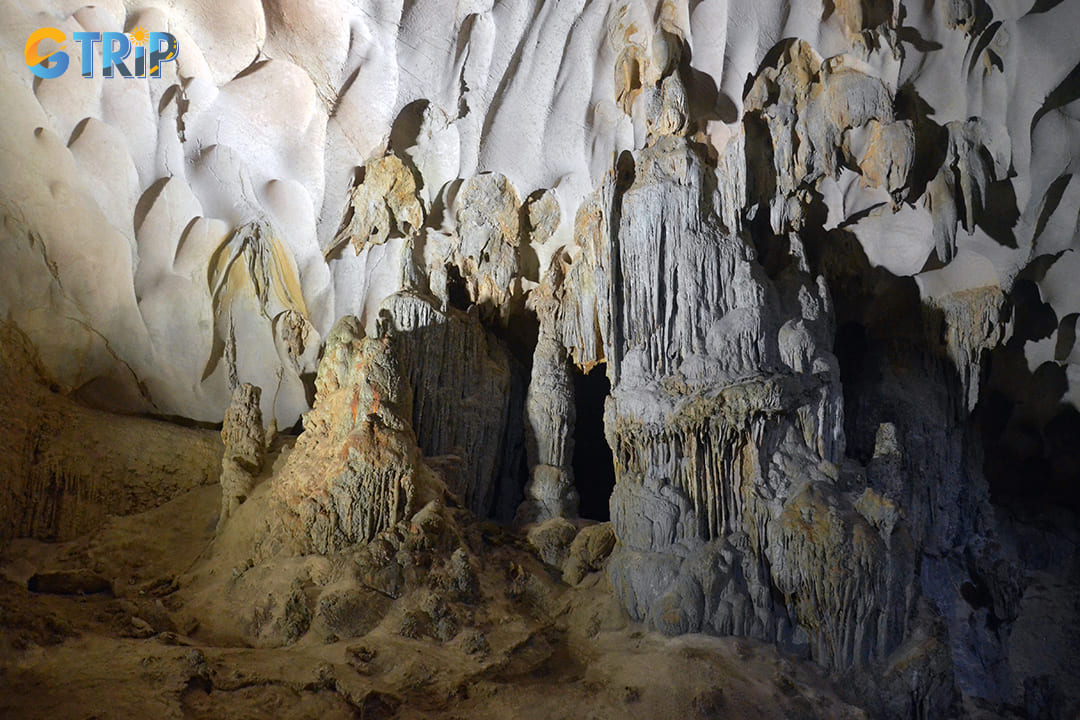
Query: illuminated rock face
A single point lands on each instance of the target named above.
(356, 468)
(940, 136)
(792, 234)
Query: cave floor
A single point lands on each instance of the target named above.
(135, 652)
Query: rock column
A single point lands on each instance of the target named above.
(245, 448)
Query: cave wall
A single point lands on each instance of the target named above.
(224, 186)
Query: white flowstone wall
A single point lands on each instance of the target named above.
(128, 244)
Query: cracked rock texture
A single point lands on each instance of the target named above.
(824, 254)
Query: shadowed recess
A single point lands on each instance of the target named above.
(594, 467)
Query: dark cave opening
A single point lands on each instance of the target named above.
(457, 292)
(852, 348)
(594, 465)
(1028, 429)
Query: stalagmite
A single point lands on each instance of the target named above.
(245, 448)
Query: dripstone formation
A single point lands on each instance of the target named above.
(355, 469)
(822, 255)
(245, 448)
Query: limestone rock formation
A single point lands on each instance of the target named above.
(245, 448)
(853, 98)
(486, 253)
(65, 469)
(549, 422)
(588, 552)
(385, 201)
(467, 395)
(356, 469)
(726, 420)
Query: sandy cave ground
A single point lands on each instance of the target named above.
(136, 651)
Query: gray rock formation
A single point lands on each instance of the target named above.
(549, 426)
(726, 421)
(467, 394)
